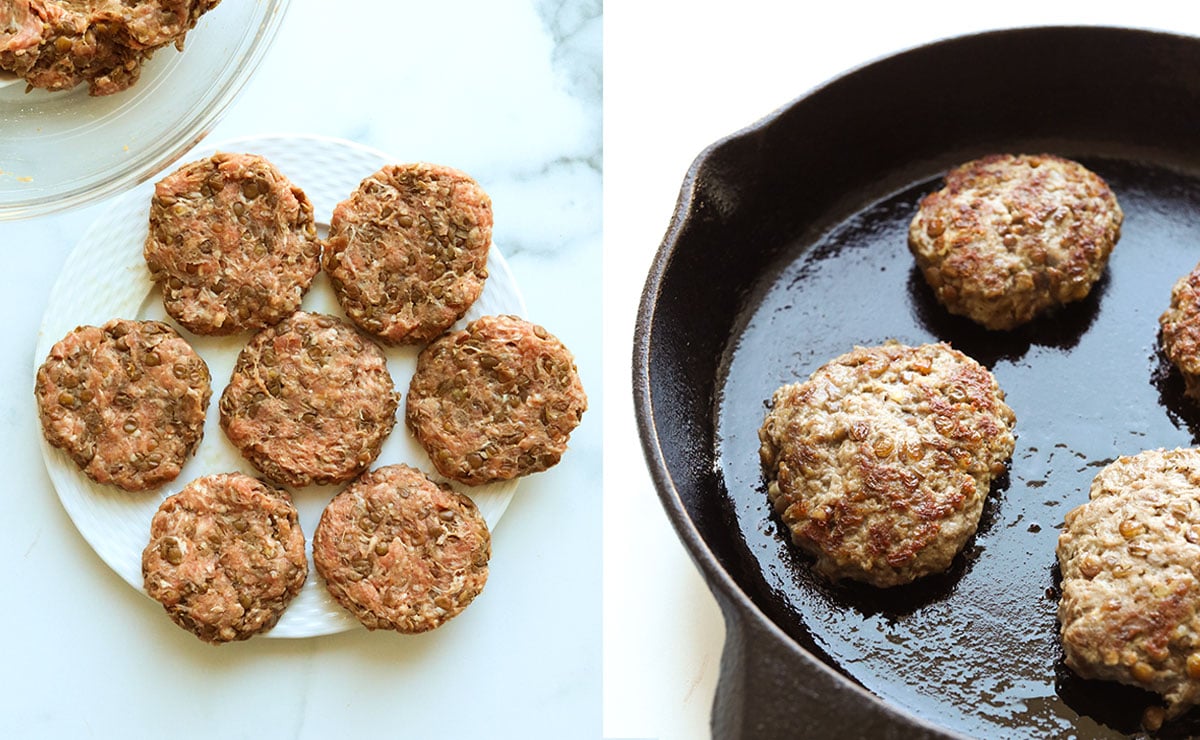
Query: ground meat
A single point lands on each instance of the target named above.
(407, 252)
(1010, 237)
(126, 401)
(1181, 331)
(226, 557)
(1130, 560)
(58, 44)
(880, 462)
(400, 552)
(232, 244)
(310, 401)
(495, 401)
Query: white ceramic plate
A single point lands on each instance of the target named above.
(105, 277)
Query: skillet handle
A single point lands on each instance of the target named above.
(770, 689)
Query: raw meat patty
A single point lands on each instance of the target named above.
(407, 252)
(495, 401)
(225, 557)
(232, 244)
(400, 552)
(58, 44)
(126, 401)
(310, 401)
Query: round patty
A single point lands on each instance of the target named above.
(232, 244)
(58, 44)
(310, 401)
(407, 252)
(880, 462)
(1009, 237)
(495, 401)
(1130, 559)
(1181, 331)
(126, 401)
(226, 556)
(400, 552)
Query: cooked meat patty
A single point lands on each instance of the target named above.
(232, 244)
(1181, 331)
(494, 401)
(1010, 237)
(126, 401)
(407, 252)
(880, 462)
(58, 44)
(1130, 561)
(400, 552)
(310, 401)
(226, 557)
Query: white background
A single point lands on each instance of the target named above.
(678, 76)
(83, 655)
(507, 90)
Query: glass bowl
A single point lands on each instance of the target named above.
(59, 150)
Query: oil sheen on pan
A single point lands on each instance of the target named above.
(975, 649)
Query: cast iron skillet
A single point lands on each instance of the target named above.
(788, 247)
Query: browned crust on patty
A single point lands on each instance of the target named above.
(232, 244)
(126, 401)
(310, 401)
(1012, 236)
(58, 44)
(494, 401)
(225, 557)
(407, 251)
(400, 552)
(1130, 561)
(1181, 331)
(880, 462)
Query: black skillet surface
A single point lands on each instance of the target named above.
(788, 247)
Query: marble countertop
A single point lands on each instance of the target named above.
(679, 76)
(509, 91)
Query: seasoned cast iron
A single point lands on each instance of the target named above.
(788, 247)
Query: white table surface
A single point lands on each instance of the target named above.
(84, 655)
(678, 76)
(509, 91)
